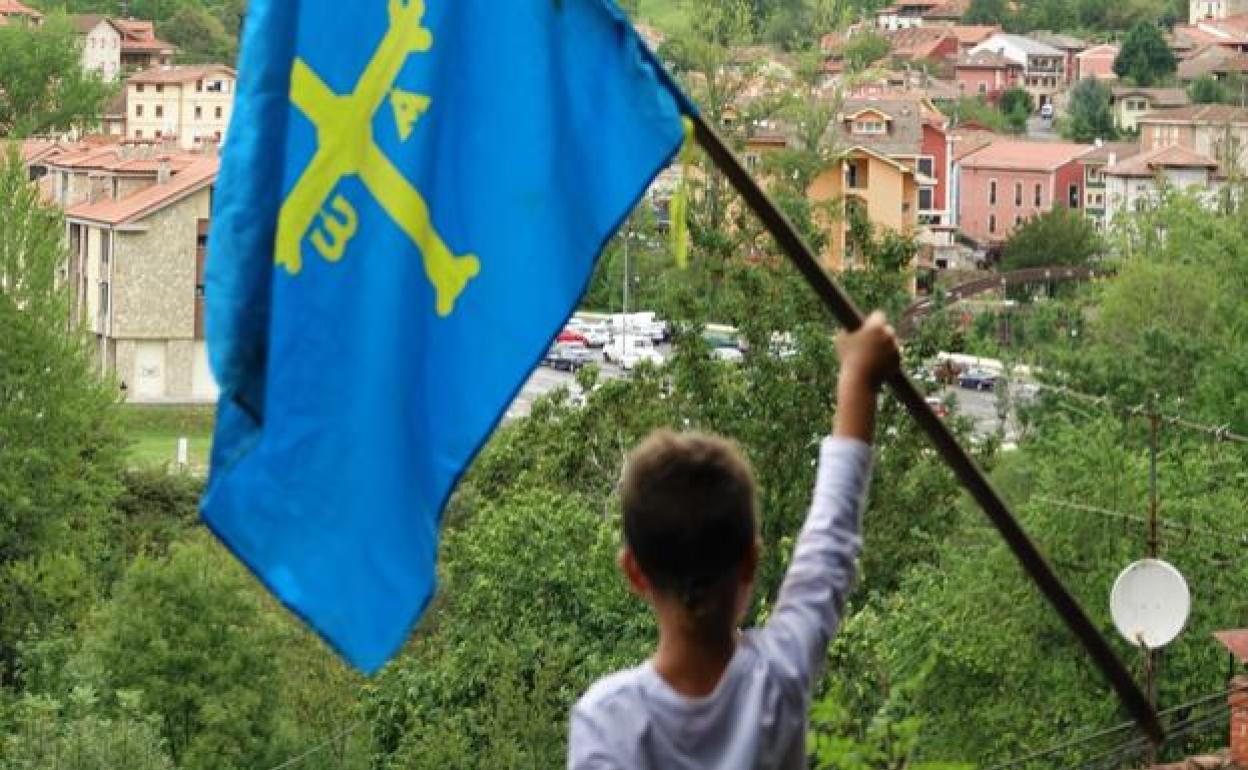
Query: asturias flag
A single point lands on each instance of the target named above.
(412, 198)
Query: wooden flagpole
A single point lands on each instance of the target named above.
(968, 473)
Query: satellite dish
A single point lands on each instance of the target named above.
(1149, 603)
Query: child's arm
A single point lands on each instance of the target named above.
(808, 610)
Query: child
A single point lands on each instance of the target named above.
(712, 696)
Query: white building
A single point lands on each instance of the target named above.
(1044, 67)
(101, 45)
(1136, 183)
(1200, 10)
(191, 104)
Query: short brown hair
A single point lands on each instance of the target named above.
(690, 513)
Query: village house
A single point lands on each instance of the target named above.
(1129, 103)
(1202, 60)
(1213, 10)
(1004, 183)
(1094, 163)
(986, 74)
(864, 186)
(1136, 183)
(137, 226)
(1216, 131)
(12, 11)
(1097, 62)
(905, 14)
(191, 104)
(909, 131)
(971, 35)
(934, 46)
(101, 45)
(1067, 44)
(1044, 73)
(140, 48)
(1229, 32)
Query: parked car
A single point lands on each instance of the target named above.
(571, 335)
(977, 379)
(1046, 111)
(938, 406)
(596, 334)
(568, 356)
(630, 351)
(728, 353)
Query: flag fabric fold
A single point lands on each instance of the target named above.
(412, 198)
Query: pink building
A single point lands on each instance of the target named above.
(1007, 182)
(1096, 62)
(986, 74)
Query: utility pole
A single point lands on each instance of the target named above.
(1150, 656)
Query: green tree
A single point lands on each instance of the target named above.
(188, 632)
(1017, 104)
(200, 36)
(60, 449)
(1206, 90)
(81, 735)
(45, 88)
(1060, 236)
(1088, 115)
(986, 12)
(865, 49)
(1145, 58)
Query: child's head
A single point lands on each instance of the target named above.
(691, 526)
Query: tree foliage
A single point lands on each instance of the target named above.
(1088, 114)
(1145, 58)
(1060, 236)
(1017, 104)
(45, 87)
(865, 49)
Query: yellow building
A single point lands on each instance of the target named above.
(866, 183)
(189, 104)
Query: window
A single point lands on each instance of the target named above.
(751, 159)
(160, 111)
(199, 112)
(992, 192)
(983, 89)
(1018, 220)
(925, 199)
(160, 89)
(218, 113)
(1072, 195)
(215, 86)
(868, 127)
(158, 133)
(138, 110)
(199, 86)
(927, 166)
(1095, 175)
(851, 176)
(1038, 195)
(138, 133)
(992, 223)
(138, 88)
(1018, 193)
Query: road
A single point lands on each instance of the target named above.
(1041, 128)
(980, 406)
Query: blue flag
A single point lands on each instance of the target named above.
(411, 201)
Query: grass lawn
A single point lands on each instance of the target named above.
(670, 16)
(154, 432)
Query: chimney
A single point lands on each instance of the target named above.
(1113, 159)
(162, 170)
(1238, 701)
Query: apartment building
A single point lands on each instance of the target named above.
(1005, 183)
(189, 104)
(140, 48)
(1136, 183)
(1068, 44)
(1215, 10)
(1101, 157)
(1216, 131)
(1129, 103)
(1044, 67)
(137, 225)
(101, 45)
(865, 185)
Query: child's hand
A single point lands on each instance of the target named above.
(870, 355)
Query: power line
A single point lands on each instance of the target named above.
(1216, 432)
(319, 747)
(1223, 536)
(1178, 730)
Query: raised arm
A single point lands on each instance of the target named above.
(808, 610)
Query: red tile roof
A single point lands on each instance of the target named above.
(1198, 113)
(14, 8)
(1148, 163)
(174, 75)
(970, 35)
(986, 60)
(1020, 155)
(140, 36)
(198, 174)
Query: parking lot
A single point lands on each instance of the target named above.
(980, 406)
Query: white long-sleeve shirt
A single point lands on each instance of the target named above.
(757, 715)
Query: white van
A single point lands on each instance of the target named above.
(628, 351)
